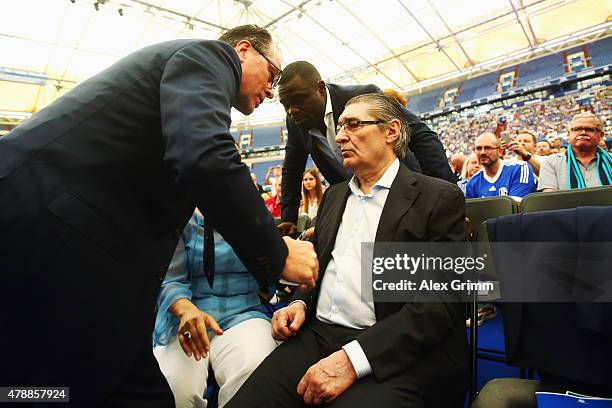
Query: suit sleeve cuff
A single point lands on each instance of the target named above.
(358, 358)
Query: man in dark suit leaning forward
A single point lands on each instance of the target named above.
(95, 190)
(313, 108)
(342, 351)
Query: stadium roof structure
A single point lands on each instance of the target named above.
(49, 46)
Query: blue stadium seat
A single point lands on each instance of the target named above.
(425, 102)
(269, 136)
(601, 52)
(550, 66)
(478, 87)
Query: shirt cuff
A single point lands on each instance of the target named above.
(358, 358)
(299, 301)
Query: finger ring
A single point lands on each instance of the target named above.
(187, 335)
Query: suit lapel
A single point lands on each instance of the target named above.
(401, 196)
(337, 204)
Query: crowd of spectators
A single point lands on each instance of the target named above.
(547, 119)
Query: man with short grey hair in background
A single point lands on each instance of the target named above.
(587, 164)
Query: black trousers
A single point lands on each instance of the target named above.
(274, 382)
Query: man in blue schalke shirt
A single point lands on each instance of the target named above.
(498, 177)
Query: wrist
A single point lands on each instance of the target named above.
(180, 307)
(526, 156)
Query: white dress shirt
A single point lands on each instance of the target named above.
(328, 119)
(340, 300)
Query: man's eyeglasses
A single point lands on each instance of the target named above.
(279, 71)
(486, 149)
(354, 125)
(587, 129)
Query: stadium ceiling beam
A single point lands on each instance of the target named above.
(58, 85)
(178, 14)
(535, 39)
(310, 44)
(433, 39)
(418, 47)
(367, 27)
(520, 57)
(299, 8)
(76, 47)
(188, 22)
(345, 44)
(530, 40)
(457, 41)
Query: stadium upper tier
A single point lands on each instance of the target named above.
(526, 75)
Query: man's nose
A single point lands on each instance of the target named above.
(341, 136)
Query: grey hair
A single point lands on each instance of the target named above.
(259, 37)
(385, 108)
(589, 115)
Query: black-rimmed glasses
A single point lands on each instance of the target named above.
(354, 125)
(588, 129)
(279, 71)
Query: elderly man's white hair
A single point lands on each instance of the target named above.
(387, 109)
(588, 115)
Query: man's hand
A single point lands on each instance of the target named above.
(302, 265)
(286, 322)
(517, 148)
(327, 379)
(287, 229)
(195, 322)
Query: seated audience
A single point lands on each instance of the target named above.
(470, 167)
(543, 148)
(524, 146)
(312, 192)
(498, 177)
(587, 164)
(273, 173)
(342, 351)
(274, 203)
(456, 162)
(200, 325)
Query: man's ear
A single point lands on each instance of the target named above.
(394, 131)
(241, 48)
(321, 88)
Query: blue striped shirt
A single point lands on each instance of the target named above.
(233, 298)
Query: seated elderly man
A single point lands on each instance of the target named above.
(587, 164)
(341, 351)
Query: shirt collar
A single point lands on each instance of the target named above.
(384, 182)
(329, 112)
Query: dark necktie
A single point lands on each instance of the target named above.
(209, 252)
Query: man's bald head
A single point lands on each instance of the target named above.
(487, 149)
(488, 138)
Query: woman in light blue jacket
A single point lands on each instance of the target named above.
(199, 326)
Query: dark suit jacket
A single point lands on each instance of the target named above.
(569, 340)
(426, 339)
(423, 142)
(94, 193)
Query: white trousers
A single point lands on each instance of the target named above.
(233, 357)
